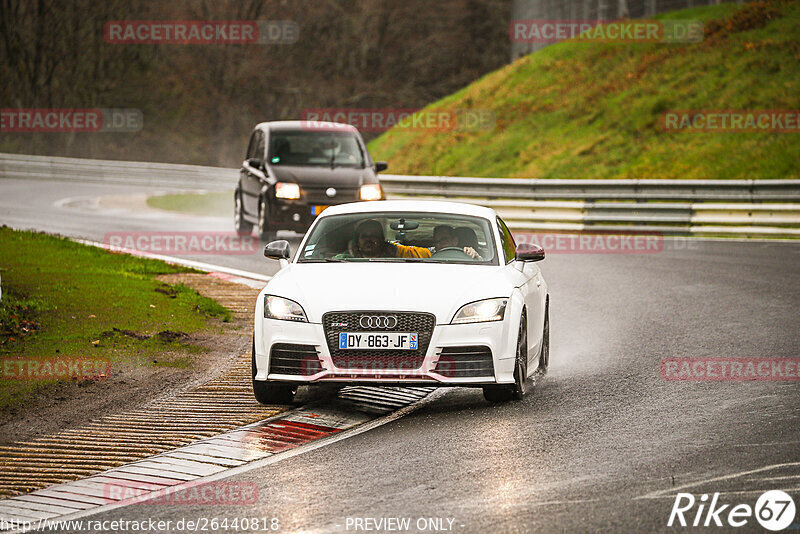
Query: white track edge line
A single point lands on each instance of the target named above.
(666, 491)
(208, 267)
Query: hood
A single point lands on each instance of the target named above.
(440, 289)
(323, 176)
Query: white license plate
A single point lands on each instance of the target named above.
(378, 340)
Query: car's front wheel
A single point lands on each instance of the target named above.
(265, 231)
(241, 226)
(270, 393)
(518, 389)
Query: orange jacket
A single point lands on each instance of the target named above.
(404, 251)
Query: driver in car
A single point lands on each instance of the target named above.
(333, 151)
(445, 237)
(370, 242)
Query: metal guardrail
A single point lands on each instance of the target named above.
(166, 175)
(750, 208)
(638, 190)
(753, 208)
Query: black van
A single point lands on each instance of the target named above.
(295, 169)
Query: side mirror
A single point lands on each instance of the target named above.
(381, 166)
(277, 250)
(529, 252)
(256, 163)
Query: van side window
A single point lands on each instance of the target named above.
(261, 152)
(251, 148)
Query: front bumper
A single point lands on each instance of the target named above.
(296, 215)
(436, 369)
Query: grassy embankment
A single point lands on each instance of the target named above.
(591, 110)
(63, 300)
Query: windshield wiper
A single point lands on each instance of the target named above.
(323, 260)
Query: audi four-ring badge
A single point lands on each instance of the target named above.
(378, 321)
(403, 292)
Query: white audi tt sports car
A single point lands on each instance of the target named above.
(403, 293)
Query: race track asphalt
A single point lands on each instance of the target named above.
(603, 444)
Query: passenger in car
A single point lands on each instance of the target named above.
(370, 242)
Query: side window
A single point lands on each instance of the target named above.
(362, 148)
(251, 148)
(507, 241)
(260, 149)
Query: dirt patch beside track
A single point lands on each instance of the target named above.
(87, 427)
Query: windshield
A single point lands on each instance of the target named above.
(335, 149)
(401, 237)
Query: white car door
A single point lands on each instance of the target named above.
(530, 284)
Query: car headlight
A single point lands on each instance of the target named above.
(371, 192)
(283, 309)
(481, 311)
(287, 190)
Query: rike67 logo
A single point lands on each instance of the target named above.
(774, 511)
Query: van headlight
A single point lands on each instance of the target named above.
(287, 190)
(371, 192)
(283, 309)
(481, 311)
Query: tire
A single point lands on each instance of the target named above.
(517, 390)
(241, 226)
(497, 394)
(544, 354)
(265, 232)
(270, 393)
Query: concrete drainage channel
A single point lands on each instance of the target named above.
(208, 432)
(355, 409)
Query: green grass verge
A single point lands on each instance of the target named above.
(592, 110)
(64, 300)
(208, 204)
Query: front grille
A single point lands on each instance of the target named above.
(289, 359)
(317, 195)
(465, 362)
(371, 359)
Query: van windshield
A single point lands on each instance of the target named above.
(309, 148)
